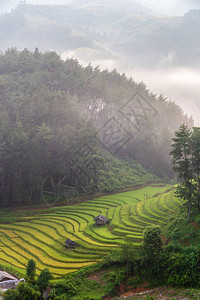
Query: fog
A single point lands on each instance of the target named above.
(173, 7)
(8, 5)
(176, 84)
(159, 5)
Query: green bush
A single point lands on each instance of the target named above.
(134, 281)
(183, 269)
(114, 280)
(152, 244)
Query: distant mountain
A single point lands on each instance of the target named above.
(127, 7)
(162, 41)
(102, 29)
(180, 7)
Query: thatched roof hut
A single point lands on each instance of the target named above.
(70, 244)
(100, 220)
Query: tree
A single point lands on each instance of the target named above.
(182, 163)
(43, 280)
(27, 292)
(31, 289)
(195, 152)
(151, 251)
(45, 105)
(23, 292)
(128, 254)
(152, 243)
(186, 162)
(10, 295)
(31, 271)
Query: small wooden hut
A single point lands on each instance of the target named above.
(70, 244)
(4, 276)
(100, 220)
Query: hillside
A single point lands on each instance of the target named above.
(73, 123)
(108, 29)
(107, 260)
(41, 235)
(165, 41)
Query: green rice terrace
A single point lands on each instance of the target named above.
(43, 235)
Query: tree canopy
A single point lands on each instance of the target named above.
(186, 162)
(50, 109)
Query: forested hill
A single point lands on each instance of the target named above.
(59, 117)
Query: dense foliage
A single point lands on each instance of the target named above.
(51, 109)
(186, 162)
(31, 271)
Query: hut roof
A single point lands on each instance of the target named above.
(100, 217)
(69, 242)
(6, 276)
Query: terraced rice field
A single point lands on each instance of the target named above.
(42, 237)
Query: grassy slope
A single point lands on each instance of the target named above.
(42, 235)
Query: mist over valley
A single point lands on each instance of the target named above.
(139, 39)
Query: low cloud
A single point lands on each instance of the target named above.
(86, 55)
(177, 84)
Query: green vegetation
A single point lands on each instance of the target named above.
(70, 133)
(32, 288)
(42, 235)
(186, 161)
(127, 252)
(152, 265)
(52, 119)
(31, 272)
(168, 294)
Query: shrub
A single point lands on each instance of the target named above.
(114, 280)
(152, 244)
(182, 268)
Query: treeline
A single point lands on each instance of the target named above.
(50, 111)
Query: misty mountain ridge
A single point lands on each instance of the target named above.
(126, 7)
(144, 40)
(180, 7)
(171, 7)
